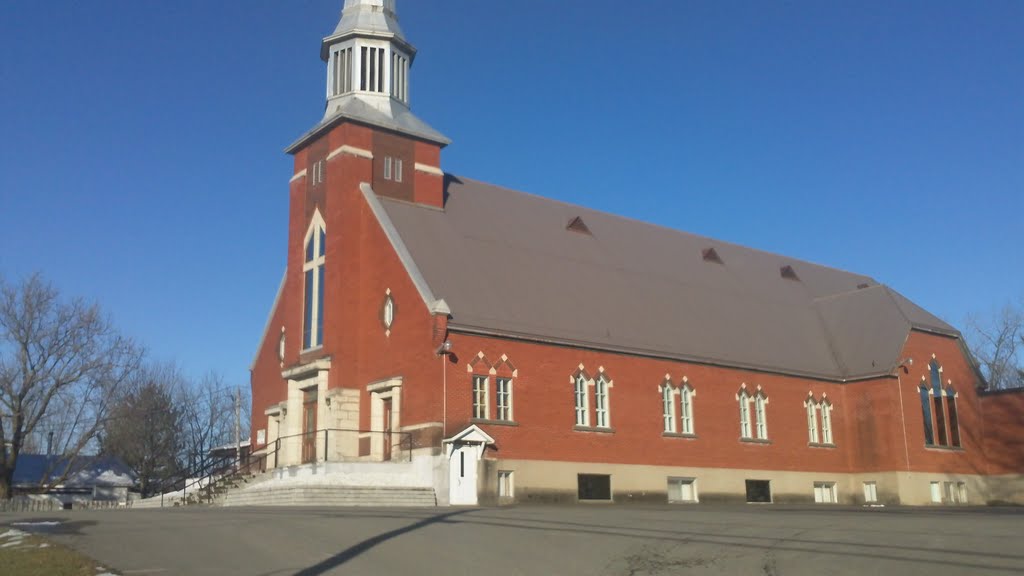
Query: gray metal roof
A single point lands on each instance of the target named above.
(376, 18)
(397, 117)
(506, 264)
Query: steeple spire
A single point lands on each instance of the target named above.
(375, 18)
(368, 62)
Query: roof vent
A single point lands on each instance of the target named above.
(711, 255)
(577, 225)
(863, 286)
(788, 273)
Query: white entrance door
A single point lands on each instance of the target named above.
(462, 475)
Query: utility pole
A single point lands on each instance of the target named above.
(238, 428)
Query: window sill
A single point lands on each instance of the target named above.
(678, 435)
(755, 441)
(578, 428)
(940, 448)
(489, 422)
(311, 350)
(821, 445)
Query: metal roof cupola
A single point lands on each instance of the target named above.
(368, 61)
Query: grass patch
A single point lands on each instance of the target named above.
(34, 556)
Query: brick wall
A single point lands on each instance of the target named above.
(360, 268)
(868, 417)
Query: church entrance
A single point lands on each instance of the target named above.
(465, 450)
(309, 405)
(387, 430)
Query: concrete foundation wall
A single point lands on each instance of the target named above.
(537, 481)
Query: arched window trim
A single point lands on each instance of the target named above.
(580, 381)
(761, 414)
(812, 420)
(686, 394)
(826, 421)
(668, 408)
(939, 412)
(744, 401)
(926, 412)
(602, 400)
(314, 257)
(954, 416)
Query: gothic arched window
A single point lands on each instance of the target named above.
(313, 278)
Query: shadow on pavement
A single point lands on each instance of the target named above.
(357, 549)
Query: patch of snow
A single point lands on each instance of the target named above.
(11, 543)
(44, 545)
(12, 533)
(32, 524)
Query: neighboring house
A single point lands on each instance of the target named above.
(228, 454)
(86, 479)
(532, 350)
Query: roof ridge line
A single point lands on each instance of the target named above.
(719, 242)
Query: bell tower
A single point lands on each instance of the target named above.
(368, 112)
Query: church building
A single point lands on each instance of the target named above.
(501, 347)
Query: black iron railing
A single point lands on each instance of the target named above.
(336, 445)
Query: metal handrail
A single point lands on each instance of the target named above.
(213, 468)
(216, 467)
(405, 441)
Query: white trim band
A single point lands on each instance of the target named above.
(351, 151)
(298, 176)
(427, 168)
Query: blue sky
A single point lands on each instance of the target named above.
(141, 160)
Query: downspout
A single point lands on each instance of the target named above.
(444, 395)
(440, 311)
(903, 364)
(903, 419)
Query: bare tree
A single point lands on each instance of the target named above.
(207, 409)
(55, 356)
(209, 419)
(997, 343)
(143, 428)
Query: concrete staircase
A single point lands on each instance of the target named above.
(211, 494)
(271, 494)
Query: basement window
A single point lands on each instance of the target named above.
(682, 490)
(759, 491)
(506, 487)
(870, 492)
(825, 492)
(594, 487)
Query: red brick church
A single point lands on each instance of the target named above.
(506, 347)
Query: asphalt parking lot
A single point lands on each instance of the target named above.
(563, 540)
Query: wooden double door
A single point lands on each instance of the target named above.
(309, 409)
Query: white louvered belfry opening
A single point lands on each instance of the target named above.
(368, 66)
